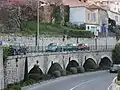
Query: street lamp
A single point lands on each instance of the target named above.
(38, 18)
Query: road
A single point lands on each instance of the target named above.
(88, 81)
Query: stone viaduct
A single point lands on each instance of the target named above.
(13, 70)
(15, 64)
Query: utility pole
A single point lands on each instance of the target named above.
(38, 22)
(37, 33)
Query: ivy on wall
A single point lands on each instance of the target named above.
(6, 53)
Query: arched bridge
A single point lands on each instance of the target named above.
(46, 60)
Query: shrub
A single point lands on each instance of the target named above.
(35, 76)
(118, 76)
(63, 73)
(54, 67)
(82, 26)
(28, 82)
(80, 33)
(46, 77)
(6, 53)
(56, 73)
(75, 26)
(90, 65)
(68, 73)
(14, 87)
(73, 70)
(68, 24)
(72, 63)
(80, 69)
(116, 54)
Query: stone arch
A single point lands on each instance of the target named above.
(35, 73)
(105, 56)
(90, 64)
(105, 62)
(88, 57)
(54, 66)
(73, 58)
(36, 69)
(72, 63)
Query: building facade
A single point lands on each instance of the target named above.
(92, 15)
(113, 5)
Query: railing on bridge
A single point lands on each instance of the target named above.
(91, 48)
(38, 49)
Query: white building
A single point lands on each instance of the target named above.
(93, 16)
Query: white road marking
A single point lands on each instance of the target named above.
(81, 84)
(114, 80)
(109, 87)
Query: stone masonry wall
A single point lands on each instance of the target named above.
(44, 41)
(1, 69)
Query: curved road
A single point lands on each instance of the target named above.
(88, 81)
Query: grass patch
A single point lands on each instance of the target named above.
(47, 29)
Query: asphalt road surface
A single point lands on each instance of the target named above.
(88, 81)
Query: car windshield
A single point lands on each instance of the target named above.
(52, 44)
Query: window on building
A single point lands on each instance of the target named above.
(93, 16)
(117, 3)
(88, 27)
(85, 0)
(88, 16)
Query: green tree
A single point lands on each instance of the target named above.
(6, 53)
(112, 25)
(116, 54)
(57, 14)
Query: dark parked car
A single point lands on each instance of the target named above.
(115, 69)
(83, 47)
(18, 50)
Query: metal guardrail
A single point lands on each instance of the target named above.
(32, 49)
(38, 49)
